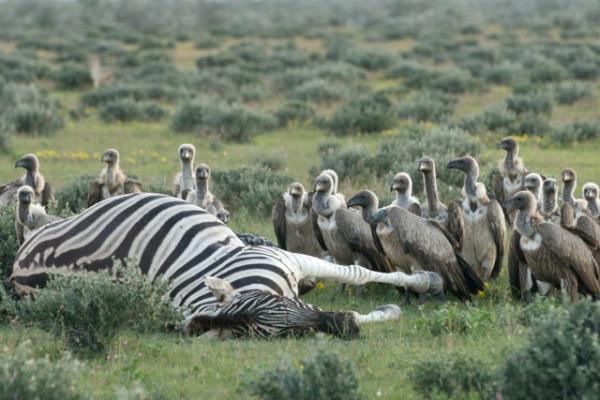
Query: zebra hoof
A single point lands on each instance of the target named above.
(340, 324)
(306, 285)
(391, 311)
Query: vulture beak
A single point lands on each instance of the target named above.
(20, 163)
(104, 158)
(509, 205)
(394, 186)
(455, 164)
(500, 145)
(353, 202)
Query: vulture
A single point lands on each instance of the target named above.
(293, 224)
(512, 173)
(112, 181)
(533, 182)
(549, 209)
(450, 217)
(590, 194)
(184, 182)
(224, 216)
(43, 192)
(554, 254)
(402, 185)
(203, 198)
(29, 216)
(421, 243)
(484, 227)
(342, 231)
(571, 207)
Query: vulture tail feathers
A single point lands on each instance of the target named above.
(472, 279)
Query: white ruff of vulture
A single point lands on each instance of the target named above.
(44, 194)
(292, 222)
(512, 173)
(185, 181)
(554, 254)
(484, 226)
(421, 243)
(112, 181)
(342, 231)
(590, 194)
(549, 209)
(29, 216)
(402, 185)
(202, 196)
(451, 217)
(336, 180)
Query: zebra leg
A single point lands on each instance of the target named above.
(421, 282)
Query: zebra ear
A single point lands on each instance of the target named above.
(220, 288)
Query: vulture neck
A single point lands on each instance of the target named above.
(537, 193)
(201, 189)
(186, 169)
(524, 222)
(321, 204)
(403, 198)
(372, 215)
(23, 213)
(431, 191)
(511, 159)
(568, 189)
(296, 203)
(112, 175)
(593, 206)
(550, 200)
(30, 177)
(471, 183)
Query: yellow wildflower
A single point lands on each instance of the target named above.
(320, 285)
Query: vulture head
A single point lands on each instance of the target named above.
(187, 152)
(202, 172)
(590, 191)
(401, 183)
(466, 164)
(29, 161)
(508, 143)
(224, 216)
(324, 184)
(550, 186)
(426, 165)
(110, 157)
(25, 195)
(296, 190)
(533, 182)
(365, 199)
(334, 178)
(568, 175)
(522, 200)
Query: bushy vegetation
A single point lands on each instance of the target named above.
(88, 310)
(365, 114)
(9, 243)
(73, 195)
(129, 110)
(321, 376)
(427, 107)
(576, 132)
(571, 92)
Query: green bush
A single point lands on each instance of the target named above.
(8, 244)
(499, 119)
(318, 90)
(7, 130)
(72, 76)
(365, 114)
(576, 132)
(533, 124)
(87, 310)
(561, 359)
(456, 319)
(255, 188)
(294, 111)
(571, 92)
(122, 110)
(150, 111)
(502, 74)
(349, 162)
(322, 376)
(405, 69)
(427, 107)
(73, 195)
(453, 81)
(207, 42)
(584, 70)
(544, 71)
(274, 160)
(23, 376)
(452, 376)
(28, 110)
(530, 103)
(139, 91)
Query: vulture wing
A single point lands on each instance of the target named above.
(314, 217)
(517, 266)
(19, 229)
(573, 252)
(8, 192)
(456, 222)
(132, 186)
(497, 227)
(217, 204)
(357, 233)
(415, 208)
(567, 215)
(94, 194)
(47, 194)
(279, 224)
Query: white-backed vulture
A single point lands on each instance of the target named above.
(450, 217)
(336, 181)
(343, 231)
(533, 182)
(402, 185)
(29, 216)
(185, 181)
(44, 194)
(111, 181)
(423, 243)
(549, 209)
(511, 175)
(554, 254)
(569, 203)
(484, 226)
(202, 196)
(590, 194)
(292, 222)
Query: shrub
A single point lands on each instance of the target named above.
(73, 195)
(318, 90)
(544, 71)
(9, 244)
(28, 110)
(405, 69)
(561, 359)
(571, 92)
(427, 107)
(139, 91)
(454, 376)
(584, 70)
(24, 377)
(533, 124)
(576, 132)
(88, 309)
(151, 111)
(275, 161)
(351, 161)
(367, 114)
(453, 318)
(7, 130)
(207, 42)
(499, 119)
(72, 76)
(122, 110)
(322, 376)
(255, 188)
(503, 74)
(453, 81)
(529, 103)
(297, 111)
